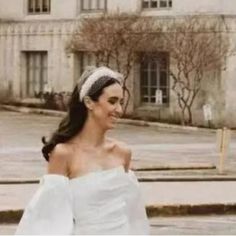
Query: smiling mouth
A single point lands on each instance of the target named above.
(115, 117)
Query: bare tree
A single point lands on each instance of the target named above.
(197, 46)
(115, 40)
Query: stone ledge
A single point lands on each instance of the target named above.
(181, 210)
(14, 216)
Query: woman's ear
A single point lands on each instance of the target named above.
(88, 102)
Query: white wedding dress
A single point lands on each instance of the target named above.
(102, 202)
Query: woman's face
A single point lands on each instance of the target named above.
(108, 108)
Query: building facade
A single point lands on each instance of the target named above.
(33, 59)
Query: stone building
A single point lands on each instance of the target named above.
(33, 59)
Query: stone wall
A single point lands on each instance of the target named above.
(17, 38)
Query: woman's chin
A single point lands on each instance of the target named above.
(111, 125)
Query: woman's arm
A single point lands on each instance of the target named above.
(58, 160)
(50, 211)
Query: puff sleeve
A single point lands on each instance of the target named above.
(50, 209)
(138, 220)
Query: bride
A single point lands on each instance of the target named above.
(89, 188)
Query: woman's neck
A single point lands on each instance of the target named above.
(91, 134)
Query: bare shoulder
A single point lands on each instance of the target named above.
(123, 147)
(58, 160)
(124, 152)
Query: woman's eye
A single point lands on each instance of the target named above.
(112, 102)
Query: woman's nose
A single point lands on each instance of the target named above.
(119, 109)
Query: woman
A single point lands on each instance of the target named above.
(89, 188)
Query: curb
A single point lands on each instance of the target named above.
(14, 216)
(32, 110)
(182, 210)
(162, 178)
(10, 216)
(141, 123)
(176, 167)
(186, 178)
(18, 181)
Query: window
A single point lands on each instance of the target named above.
(39, 6)
(154, 76)
(156, 4)
(84, 59)
(93, 5)
(36, 72)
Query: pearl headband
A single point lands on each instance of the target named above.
(96, 75)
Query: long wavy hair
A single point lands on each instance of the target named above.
(77, 112)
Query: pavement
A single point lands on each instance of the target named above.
(177, 166)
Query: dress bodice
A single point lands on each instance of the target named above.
(101, 202)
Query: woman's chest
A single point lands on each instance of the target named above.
(84, 162)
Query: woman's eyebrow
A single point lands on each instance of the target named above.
(116, 98)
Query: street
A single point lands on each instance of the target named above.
(20, 146)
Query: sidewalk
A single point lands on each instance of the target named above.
(161, 198)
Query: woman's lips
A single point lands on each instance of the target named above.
(115, 118)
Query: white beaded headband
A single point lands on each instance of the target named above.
(96, 75)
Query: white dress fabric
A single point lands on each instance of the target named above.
(103, 202)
